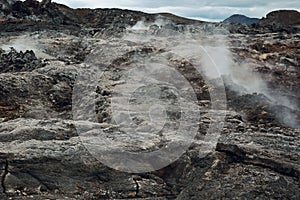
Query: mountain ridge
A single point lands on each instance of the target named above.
(34, 15)
(241, 19)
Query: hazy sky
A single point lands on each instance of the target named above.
(212, 10)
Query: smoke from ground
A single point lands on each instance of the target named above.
(23, 43)
(193, 42)
(245, 80)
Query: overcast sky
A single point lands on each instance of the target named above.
(211, 10)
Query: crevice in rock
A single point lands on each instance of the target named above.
(137, 188)
(4, 177)
(242, 156)
(281, 168)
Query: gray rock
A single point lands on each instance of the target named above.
(46, 142)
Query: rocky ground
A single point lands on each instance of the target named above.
(153, 69)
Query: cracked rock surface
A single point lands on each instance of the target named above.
(47, 142)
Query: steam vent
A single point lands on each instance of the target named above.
(119, 104)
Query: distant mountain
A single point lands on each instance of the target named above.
(241, 19)
(282, 17)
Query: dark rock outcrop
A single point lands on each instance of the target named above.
(282, 17)
(14, 61)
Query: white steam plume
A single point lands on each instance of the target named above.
(245, 80)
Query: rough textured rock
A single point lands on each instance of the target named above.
(44, 156)
(14, 61)
(282, 17)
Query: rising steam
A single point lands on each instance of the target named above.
(245, 80)
(23, 43)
